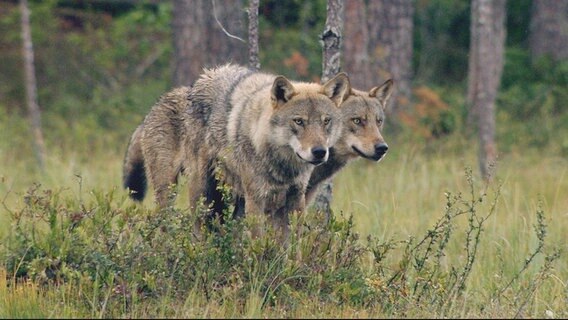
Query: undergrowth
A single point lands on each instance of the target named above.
(119, 258)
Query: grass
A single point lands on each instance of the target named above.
(518, 269)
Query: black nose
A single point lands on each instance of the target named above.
(381, 148)
(319, 152)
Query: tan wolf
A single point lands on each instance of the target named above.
(363, 116)
(267, 132)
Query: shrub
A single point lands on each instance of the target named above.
(122, 257)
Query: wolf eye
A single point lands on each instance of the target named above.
(356, 120)
(326, 121)
(299, 121)
(379, 121)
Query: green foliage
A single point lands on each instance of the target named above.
(122, 258)
(441, 41)
(289, 37)
(430, 117)
(531, 103)
(518, 21)
(92, 67)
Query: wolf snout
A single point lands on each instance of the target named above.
(380, 150)
(319, 153)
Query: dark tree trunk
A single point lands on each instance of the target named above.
(331, 64)
(390, 25)
(34, 112)
(199, 38)
(190, 37)
(485, 69)
(356, 45)
(549, 29)
(254, 61)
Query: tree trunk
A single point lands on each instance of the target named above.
(485, 69)
(190, 38)
(356, 45)
(203, 32)
(390, 25)
(549, 29)
(254, 61)
(331, 64)
(34, 112)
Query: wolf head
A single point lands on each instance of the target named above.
(306, 116)
(363, 115)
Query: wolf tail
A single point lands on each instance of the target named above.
(134, 174)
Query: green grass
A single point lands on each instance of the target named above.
(399, 199)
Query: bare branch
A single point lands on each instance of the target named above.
(223, 28)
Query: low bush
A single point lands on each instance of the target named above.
(121, 258)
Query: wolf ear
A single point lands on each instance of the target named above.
(282, 91)
(383, 92)
(338, 88)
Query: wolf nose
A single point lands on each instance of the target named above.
(319, 152)
(381, 148)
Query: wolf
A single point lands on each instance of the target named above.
(363, 116)
(266, 132)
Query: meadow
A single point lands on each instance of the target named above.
(417, 235)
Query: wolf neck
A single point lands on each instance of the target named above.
(286, 165)
(343, 152)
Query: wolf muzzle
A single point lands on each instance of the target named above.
(319, 153)
(380, 150)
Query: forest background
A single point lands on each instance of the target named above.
(100, 66)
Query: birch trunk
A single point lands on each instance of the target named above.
(331, 38)
(34, 112)
(485, 69)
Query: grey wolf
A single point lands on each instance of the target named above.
(266, 133)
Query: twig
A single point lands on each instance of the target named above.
(223, 28)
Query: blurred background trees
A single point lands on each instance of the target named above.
(101, 64)
(548, 29)
(487, 42)
(199, 39)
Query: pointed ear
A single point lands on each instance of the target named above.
(282, 91)
(338, 88)
(383, 92)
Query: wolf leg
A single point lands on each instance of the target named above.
(163, 171)
(294, 201)
(254, 207)
(200, 197)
